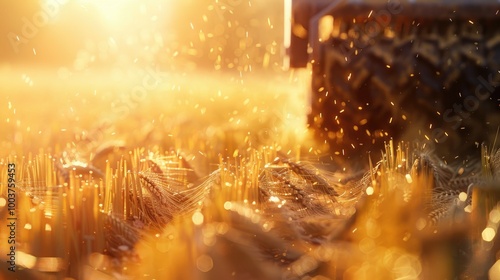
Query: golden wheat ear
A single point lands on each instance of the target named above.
(495, 164)
(121, 236)
(311, 174)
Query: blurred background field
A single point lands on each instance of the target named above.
(168, 72)
(44, 111)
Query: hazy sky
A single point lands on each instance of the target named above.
(82, 33)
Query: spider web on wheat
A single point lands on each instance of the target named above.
(167, 194)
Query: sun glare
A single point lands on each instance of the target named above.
(111, 10)
(120, 13)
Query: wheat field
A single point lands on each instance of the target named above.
(217, 178)
(183, 152)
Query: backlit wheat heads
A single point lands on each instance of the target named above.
(227, 237)
(393, 233)
(53, 211)
(143, 195)
(260, 215)
(71, 216)
(267, 215)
